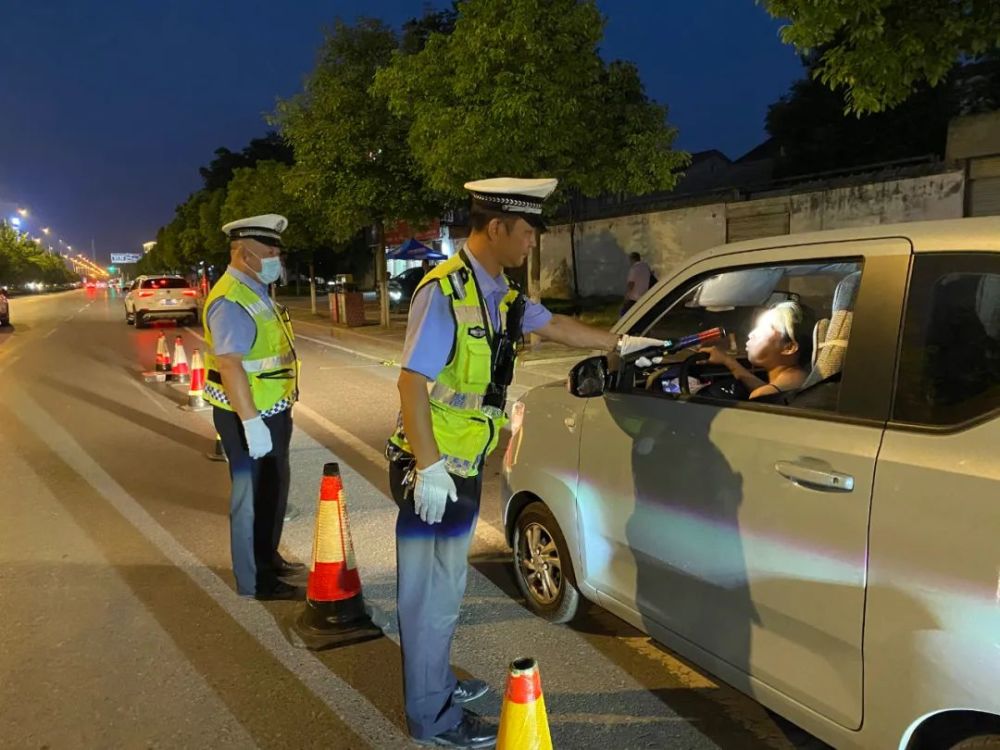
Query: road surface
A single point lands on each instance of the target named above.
(121, 626)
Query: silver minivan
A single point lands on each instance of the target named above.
(831, 550)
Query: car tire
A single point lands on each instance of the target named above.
(193, 320)
(140, 320)
(129, 319)
(4, 322)
(979, 742)
(549, 592)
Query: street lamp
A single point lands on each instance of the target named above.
(46, 230)
(23, 212)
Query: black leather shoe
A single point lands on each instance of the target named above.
(283, 567)
(469, 690)
(471, 733)
(278, 590)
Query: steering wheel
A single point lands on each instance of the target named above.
(686, 367)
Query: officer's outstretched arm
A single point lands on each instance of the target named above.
(565, 330)
(234, 380)
(416, 409)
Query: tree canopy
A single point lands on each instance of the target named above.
(880, 52)
(520, 88)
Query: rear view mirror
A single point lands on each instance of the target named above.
(589, 378)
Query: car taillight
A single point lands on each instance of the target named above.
(146, 294)
(190, 293)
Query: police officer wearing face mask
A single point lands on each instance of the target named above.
(252, 381)
(464, 320)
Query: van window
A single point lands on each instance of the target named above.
(949, 363)
(735, 299)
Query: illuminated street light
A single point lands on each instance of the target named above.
(23, 212)
(46, 230)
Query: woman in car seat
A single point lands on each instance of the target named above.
(781, 344)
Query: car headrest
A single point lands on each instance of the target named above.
(830, 336)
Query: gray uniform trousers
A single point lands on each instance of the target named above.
(431, 568)
(258, 499)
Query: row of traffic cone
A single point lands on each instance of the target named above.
(335, 615)
(177, 370)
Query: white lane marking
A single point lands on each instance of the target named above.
(145, 392)
(346, 437)
(356, 367)
(50, 333)
(351, 707)
(355, 352)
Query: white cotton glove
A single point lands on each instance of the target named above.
(631, 344)
(431, 492)
(258, 437)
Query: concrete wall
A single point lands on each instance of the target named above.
(666, 238)
(973, 135)
(602, 247)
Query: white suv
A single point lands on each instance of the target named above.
(160, 297)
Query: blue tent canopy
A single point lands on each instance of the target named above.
(414, 250)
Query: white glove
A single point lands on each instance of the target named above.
(433, 488)
(258, 437)
(631, 344)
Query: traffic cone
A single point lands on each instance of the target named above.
(180, 373)
(162, 355)
(334, 613)
(523, 723)
(197, 386)
(217, 453)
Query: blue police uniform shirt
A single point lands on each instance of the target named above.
(233, 330)
(430, 328)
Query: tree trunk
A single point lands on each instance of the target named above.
(312, 286)
(380, 274)
(535, 269)
(298, 278)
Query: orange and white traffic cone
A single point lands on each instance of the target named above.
(180, 373)
(523, 723)
(196, 402)
(162, 355)
(334, 613)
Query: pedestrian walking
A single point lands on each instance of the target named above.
(640, 278)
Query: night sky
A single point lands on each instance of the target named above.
(108, 107)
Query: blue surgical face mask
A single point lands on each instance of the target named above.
(270, 269)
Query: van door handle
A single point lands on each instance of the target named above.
(814, 478)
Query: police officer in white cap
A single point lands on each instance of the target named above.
(464, 320)
(252, 381)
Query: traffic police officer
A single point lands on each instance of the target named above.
(464, 319)
(252, 381)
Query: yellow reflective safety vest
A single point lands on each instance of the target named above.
(466, 431)
(271, 365)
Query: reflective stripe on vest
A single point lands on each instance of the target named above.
(269, 363)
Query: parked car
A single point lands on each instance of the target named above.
(4, 307)
(161, 298)
(833, 552)
(402, 286)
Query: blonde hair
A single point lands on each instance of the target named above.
(795, 323)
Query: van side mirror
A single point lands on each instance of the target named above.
(589, 378)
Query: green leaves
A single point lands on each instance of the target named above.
(519, 88)
(879, 51)
(352, 165)
(23, 260)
